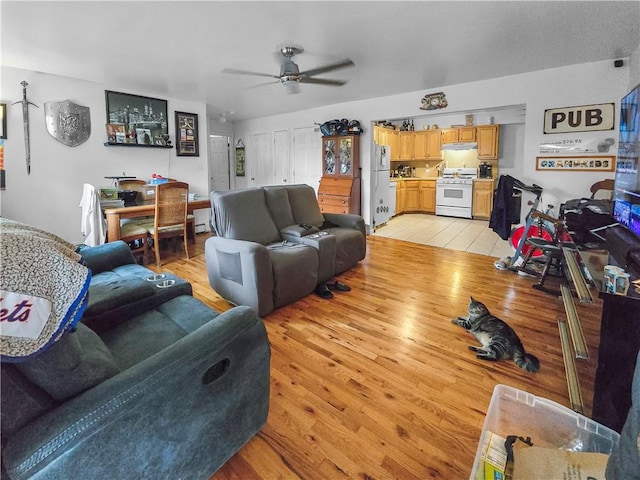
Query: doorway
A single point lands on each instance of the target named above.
(219, 163)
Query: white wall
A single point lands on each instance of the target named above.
(49, 197)
(591, 83)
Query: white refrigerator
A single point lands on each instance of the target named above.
(381, 192)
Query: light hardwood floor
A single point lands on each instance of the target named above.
(377, 383)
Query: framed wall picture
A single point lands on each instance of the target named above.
(240, 159)
(134, 112)
(3, 120)
(593, 163)
(187, 134)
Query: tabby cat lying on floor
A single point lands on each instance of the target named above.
(499, 340)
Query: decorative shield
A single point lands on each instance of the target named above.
(67, 122)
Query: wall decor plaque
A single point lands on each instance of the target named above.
(68, 122)
(595, 163)
(585, 118)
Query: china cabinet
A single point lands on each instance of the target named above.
(339, 190)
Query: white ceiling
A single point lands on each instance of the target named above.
(179, 49)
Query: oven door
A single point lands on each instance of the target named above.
(454, 199)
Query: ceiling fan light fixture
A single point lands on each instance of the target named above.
(291, 85)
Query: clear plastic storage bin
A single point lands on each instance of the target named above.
(549, 424)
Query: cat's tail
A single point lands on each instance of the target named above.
(527, 361)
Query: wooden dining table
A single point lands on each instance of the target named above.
(114, 215)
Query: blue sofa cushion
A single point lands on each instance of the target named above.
(73, 364)
(112, 290)
(22, 401)
(149, 333)
(124, 292)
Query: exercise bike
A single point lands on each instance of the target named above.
(539, 240)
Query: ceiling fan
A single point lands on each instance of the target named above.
(291, 76)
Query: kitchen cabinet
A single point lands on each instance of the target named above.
(412, 202)
(406, 145)
(434, 145)
(460, 134)
(428, 196)
(416, 195)
(467, 134)
(449, 135)
(339, 190)
(482, 199)
(488, 137)
(420, 145)
(401, 198)
(393, 140)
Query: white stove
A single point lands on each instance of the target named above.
(454, 192)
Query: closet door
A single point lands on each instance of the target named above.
(281, 157)
(307, 157)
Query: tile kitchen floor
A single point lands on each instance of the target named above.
(473, 236)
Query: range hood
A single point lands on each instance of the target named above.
(460, 146)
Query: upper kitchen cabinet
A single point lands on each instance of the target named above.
(434, 145)
(340, 156)
(457, 135)
(488, 137)
(406, 145)
(427, 145)
(393, 140)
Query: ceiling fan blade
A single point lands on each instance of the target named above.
(327, 68)
(246, 72)
(322, 81)
(273, 82)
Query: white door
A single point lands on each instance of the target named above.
(307, 156)
(219, 163)
(259, 160)
(281, 156)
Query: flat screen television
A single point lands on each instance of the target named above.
(626, 207)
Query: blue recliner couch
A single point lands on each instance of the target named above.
(167, 388)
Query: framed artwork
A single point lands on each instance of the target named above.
(134, 112)
(595, 163)
(187, 134)
(240, 159)
(3, 120)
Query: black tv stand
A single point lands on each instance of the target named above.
(619, 336)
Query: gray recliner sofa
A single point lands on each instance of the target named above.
(273, 246)
(166, 388)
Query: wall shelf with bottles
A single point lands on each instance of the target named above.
(109, 144)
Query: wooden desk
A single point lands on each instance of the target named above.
(114, 215)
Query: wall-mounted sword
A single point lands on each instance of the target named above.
(25, 120)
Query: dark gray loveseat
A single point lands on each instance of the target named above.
(274, 246)
(169, 388)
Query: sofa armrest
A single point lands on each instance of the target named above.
(240, 272)
(346, 220)
(179, 414)
(107, 256)
(297, 231)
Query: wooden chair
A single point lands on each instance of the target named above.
(603, 189)
(170, 219)
(134, 232)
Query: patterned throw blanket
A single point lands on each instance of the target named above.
(43, 286)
